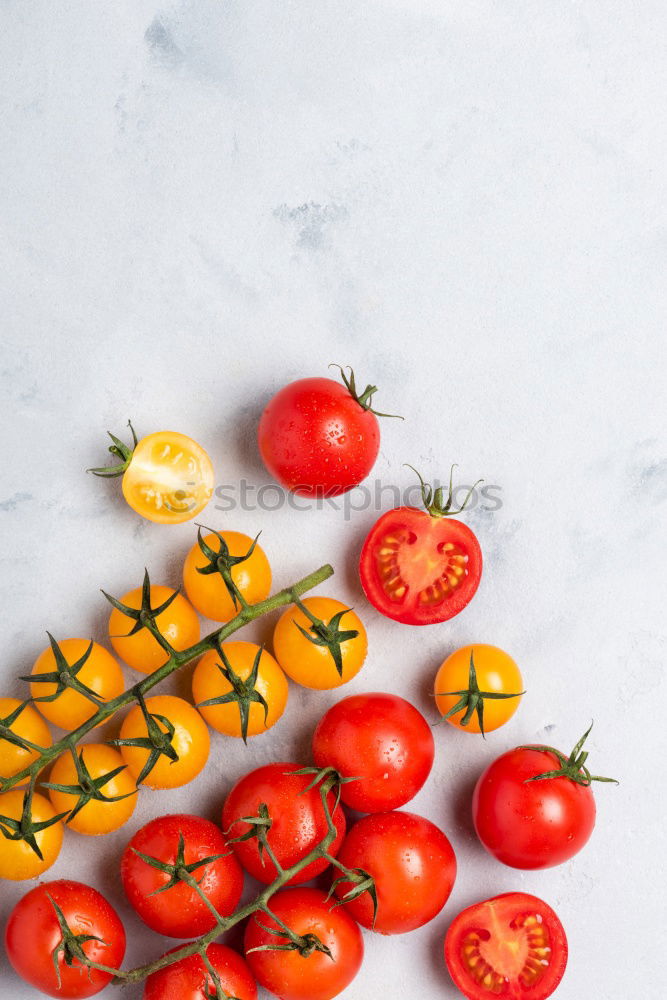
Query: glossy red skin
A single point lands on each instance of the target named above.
(383, 741)
(298, 822)
(505, 909)
(413, 864)
(179, 912)
(316, 439)
(428, 533)
(531, 824)
(291, 976)
(33, 932)
(189, 979)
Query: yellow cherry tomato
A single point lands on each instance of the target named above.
(190, 741)
(178, 623)
(167, 477)
(495, 672)
(208, 592)
(28, 724)
(313, 665)
(18, 861)
(97, 815)
(99, 672)
(254, 675)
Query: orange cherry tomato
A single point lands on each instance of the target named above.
(189, 743)
(18, 860)
(167, 477)
(98, 671)
(178, 623)
(98, 815)
(268, 688)
(495, 672)
(29, 725)
(313, 665)
(208, 592)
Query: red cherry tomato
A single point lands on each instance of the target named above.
(512, 946)
(33, 934)
(189, 979)
(298, 821)
(318, 437)
(314, 975)
(418, 568)
(383, 741)
(179, 911)
(413, 865)
(528, 823)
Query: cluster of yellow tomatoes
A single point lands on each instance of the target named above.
(111, 773)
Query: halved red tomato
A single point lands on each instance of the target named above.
(419, 566)
(512, 946)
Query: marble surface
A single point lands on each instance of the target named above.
(203, 200)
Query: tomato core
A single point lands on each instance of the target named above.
(430, 572)
(517, 953)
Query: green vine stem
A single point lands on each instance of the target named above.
(260, 904)
(176, 660)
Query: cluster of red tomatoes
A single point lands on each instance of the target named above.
(392, 870)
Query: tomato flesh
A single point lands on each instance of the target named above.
(512, 946)
(420, 569)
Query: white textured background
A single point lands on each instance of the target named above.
(203, 200)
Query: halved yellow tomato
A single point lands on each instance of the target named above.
(167, 476)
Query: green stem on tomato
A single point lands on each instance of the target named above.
(176, 660)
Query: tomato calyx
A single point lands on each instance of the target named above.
(121, 451)
(365, 398)
(64, 676)
(434, 499)
(25, 828)
(9, 736)
(259, 828)
(362, 881)
(573, 767)
(70, 946)
(305, 944)
(88, 788)
(157, 742)
(244, 692)
(222, 561)
(218, 990)
(145, 616)
(472, 699)
(327, 634)
(178, 870)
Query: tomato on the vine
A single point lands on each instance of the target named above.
(21, 719)
(420, 567)
(167, 477)
(317, 647)
(413, 866)
(98, 791)
(178, 623)
(221, 564)
(88, 666)
(511, 946)
(306, 972)
(45, 957)
(318, 437)
(381, 740)
(163, 899)
(533, 807)
(239, 689)
(190, 979)
(297, 821)
(18, 859)
(175, 750)
(478, 688)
